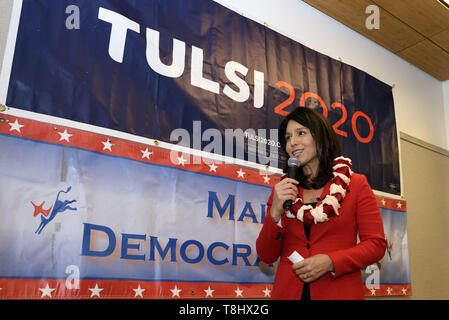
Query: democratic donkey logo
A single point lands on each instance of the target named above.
(49, 214)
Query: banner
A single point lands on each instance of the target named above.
(82, 219)
(153, 68)
(391, 275)
(139, 147)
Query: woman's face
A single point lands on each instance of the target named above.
(300, 144)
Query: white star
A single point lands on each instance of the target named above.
(383, 202)
(46, 291)
(107, 145)
(266, 292)
(373, 292)
(139, 291)
(240, 173)
(266, 179)
(175, 291)
(65, 135)
(96, 291)
(209, 292)
(238, 292)
(389, 290)
(181, 160)
(146, 153)
(15, 126)
(404, 290)
(399, 205)
(213, 167)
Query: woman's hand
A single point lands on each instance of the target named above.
(284, 190)
(314, 267)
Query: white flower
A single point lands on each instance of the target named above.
(318, 214)
(343, 158)
(300, 214)
(331, 200)
(336, 188)
(341, 165)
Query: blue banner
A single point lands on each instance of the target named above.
(151, 67)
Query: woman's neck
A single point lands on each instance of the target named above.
(311, 170)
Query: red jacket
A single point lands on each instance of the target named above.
(336, 238)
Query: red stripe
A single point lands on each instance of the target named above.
(47, 132)
(389, 290)
(393, 204)
(123, 289)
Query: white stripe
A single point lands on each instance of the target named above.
(336, 188)
(341, 165)
(331, 200)
(343, 158)
(300, 214)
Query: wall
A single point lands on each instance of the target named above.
(446, 105)
(425, 172)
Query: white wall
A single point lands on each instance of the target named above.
(446, 106)
(418, 97)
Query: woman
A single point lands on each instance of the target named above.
(331, 206)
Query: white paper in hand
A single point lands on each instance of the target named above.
(295, 257)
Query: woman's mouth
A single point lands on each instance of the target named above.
(296, 153)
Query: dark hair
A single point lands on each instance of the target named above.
(327, 144)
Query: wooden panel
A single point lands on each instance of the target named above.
(393, 34)
(428, 17)
(405, 29)
(429, 57)
(442, 39)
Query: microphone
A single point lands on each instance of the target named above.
(293, 167)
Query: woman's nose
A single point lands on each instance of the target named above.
(294, 141)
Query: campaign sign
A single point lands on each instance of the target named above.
(150, 68)
(86, 216)
(121, 219)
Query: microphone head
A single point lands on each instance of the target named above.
(293, 162)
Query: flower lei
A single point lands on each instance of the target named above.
(328, 207)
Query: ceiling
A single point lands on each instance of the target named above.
(415, 30)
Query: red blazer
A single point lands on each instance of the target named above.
(337, 238)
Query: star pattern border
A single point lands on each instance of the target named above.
(149, 153)
(129, 289)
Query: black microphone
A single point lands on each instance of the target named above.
(293, 167)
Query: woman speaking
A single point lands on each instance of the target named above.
(332, 208)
